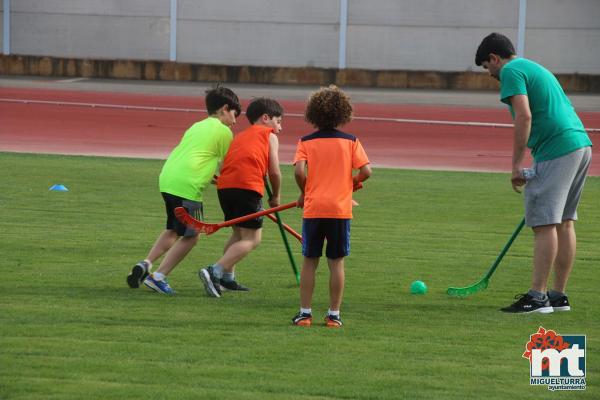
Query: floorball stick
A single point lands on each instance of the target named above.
(483, 282)
(202, 227)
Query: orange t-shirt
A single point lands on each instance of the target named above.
(330, 158)
(247, 160)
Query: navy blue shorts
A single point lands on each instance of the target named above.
(316, 230)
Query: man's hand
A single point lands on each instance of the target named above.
(517, 180)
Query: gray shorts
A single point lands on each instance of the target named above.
(553, 193)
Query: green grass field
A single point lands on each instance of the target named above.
(70, 328)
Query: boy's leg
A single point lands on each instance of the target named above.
(336, 283)
(140, 271)
(176, 253)
(236, 250)
(221, 274)
(307, 281)
(163, 243)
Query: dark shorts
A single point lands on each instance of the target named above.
(237, 203)
(316, 230)
(194, 208)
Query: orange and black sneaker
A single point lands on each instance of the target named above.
(333, 321)
(302, 319)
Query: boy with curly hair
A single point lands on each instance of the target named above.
(324, 165)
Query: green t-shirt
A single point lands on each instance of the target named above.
(192, 164)
(556, 129)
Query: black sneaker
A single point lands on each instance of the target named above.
(233, 286)
(138, 274)
(560, 304)
(302, 319)
(211, 282)
(528, 304)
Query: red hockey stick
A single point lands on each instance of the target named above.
(202, 227)
(287, 228)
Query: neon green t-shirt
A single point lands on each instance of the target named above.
(556, 129)
(192, 164)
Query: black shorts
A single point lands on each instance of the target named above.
(236, 203)
(335, 230)
(194, 208)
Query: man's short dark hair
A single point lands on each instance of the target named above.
(494, 43)
(261, 106)
(220, 96)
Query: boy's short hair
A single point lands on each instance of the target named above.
(494, 43)
(262, 105)
(328, 107)
(220, 96)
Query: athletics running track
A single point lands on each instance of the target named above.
(149, 126)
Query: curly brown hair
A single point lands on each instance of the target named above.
(328, 108)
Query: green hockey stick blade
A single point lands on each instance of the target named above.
(469, 290)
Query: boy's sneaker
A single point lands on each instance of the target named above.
(233, 286)
(161, 286)
(528, 304)
(212, 284)
(560, 304)
(138, 273)
(302, 319)
(333, 321)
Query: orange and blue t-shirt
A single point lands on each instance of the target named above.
(330, 156)
(247, 160)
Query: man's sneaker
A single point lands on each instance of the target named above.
(138, 273)
(161, 286)
(302, 319)
(528, 304)
(560, 304)
(211, 282)
(333, 321)
(233, 286)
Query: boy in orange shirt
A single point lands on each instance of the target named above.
(330, 156)
(253, 154)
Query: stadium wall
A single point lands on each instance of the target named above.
(389, 43)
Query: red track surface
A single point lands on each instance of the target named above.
(85, 130)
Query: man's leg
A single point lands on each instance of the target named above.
(336, 282)
(544, 254)
(563, 264)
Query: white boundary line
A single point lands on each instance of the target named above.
(188, 110)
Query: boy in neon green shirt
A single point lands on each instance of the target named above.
(188, 170)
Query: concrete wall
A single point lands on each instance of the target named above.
(124, 29)
(260, 32)
(409, 35)
(564, 35)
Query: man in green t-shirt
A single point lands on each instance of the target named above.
(544, 121)
(188, 170)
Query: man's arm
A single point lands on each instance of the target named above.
(274, 171)
(522, 129)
